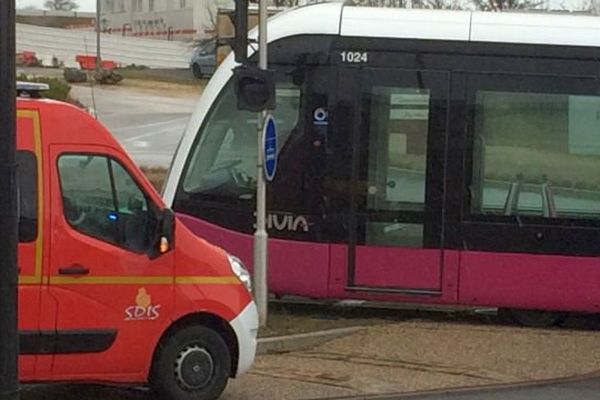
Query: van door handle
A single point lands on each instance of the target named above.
(74, 270)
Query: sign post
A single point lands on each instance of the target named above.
(9, 338)
(261, 294)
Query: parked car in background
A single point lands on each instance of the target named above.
(203, 62)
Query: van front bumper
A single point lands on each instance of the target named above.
(245, 326)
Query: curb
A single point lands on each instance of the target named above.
(301, 341)
(471, 389)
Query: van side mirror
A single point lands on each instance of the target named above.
(163, 240)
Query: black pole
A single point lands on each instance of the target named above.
(9, 338)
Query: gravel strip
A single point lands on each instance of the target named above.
(410, 356)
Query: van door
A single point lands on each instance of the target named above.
(30, 239)
(113, 300)
(397, 175)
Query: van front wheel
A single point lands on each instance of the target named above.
(192, 364)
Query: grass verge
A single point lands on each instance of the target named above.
(179, 76)
(156, 176)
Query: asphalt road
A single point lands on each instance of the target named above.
(148, 122)
(588, 389)
(582, 390)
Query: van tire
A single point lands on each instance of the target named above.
(194, 363)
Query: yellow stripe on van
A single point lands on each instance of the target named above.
(207, 280)
(111, 280)
(143, 280)
(39, 241)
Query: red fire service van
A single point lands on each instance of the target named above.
(112, 287)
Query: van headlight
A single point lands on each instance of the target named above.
(239, 269)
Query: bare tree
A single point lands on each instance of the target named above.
(61, 5)
(440, 4)
(428, 4)
(381, 3)
(501, 5)
(588, 6)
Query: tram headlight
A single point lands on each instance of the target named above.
(240, 270)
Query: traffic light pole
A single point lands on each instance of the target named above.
(9, 338)
(261, 292)
(98, 58)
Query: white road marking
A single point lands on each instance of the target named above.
(177, 121)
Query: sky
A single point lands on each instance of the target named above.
(84, 5)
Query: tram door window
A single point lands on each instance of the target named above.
(396, 162)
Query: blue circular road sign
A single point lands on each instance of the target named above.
(269, 148)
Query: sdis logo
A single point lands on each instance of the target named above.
(143, 310)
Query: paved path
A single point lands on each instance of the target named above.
(148, 123)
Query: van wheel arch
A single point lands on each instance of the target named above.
(206, 320)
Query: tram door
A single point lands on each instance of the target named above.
(398, 138)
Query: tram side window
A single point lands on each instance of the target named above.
(536, 154)
(223, 161)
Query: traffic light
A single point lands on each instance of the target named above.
(254, 88)
(240, 40)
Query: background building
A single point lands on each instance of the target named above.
(162, 19)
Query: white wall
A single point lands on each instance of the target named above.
(64, 44)
(205, 16)
(167, 20)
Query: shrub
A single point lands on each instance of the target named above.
(59, 89)
(156, 176)
(134, 67)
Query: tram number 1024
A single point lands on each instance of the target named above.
(354, 57)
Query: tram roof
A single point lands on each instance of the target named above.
(469, 26)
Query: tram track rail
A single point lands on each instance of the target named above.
(482, 319)
(484, 388)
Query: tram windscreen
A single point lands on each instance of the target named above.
(224, 160)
